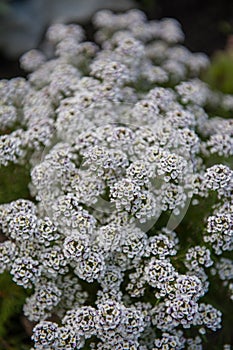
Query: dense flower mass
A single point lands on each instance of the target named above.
(122, 145)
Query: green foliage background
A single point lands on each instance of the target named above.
(220, 73)
(14, 181)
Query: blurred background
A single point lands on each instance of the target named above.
(207, 25)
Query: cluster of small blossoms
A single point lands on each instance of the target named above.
(224, 270)
(220, 232)
(118, 140)
(44, 299)
(198, 256)
(219, 132)
(27, 121)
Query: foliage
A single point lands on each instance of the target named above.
(219, 75)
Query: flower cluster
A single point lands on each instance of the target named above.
(120, 145)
